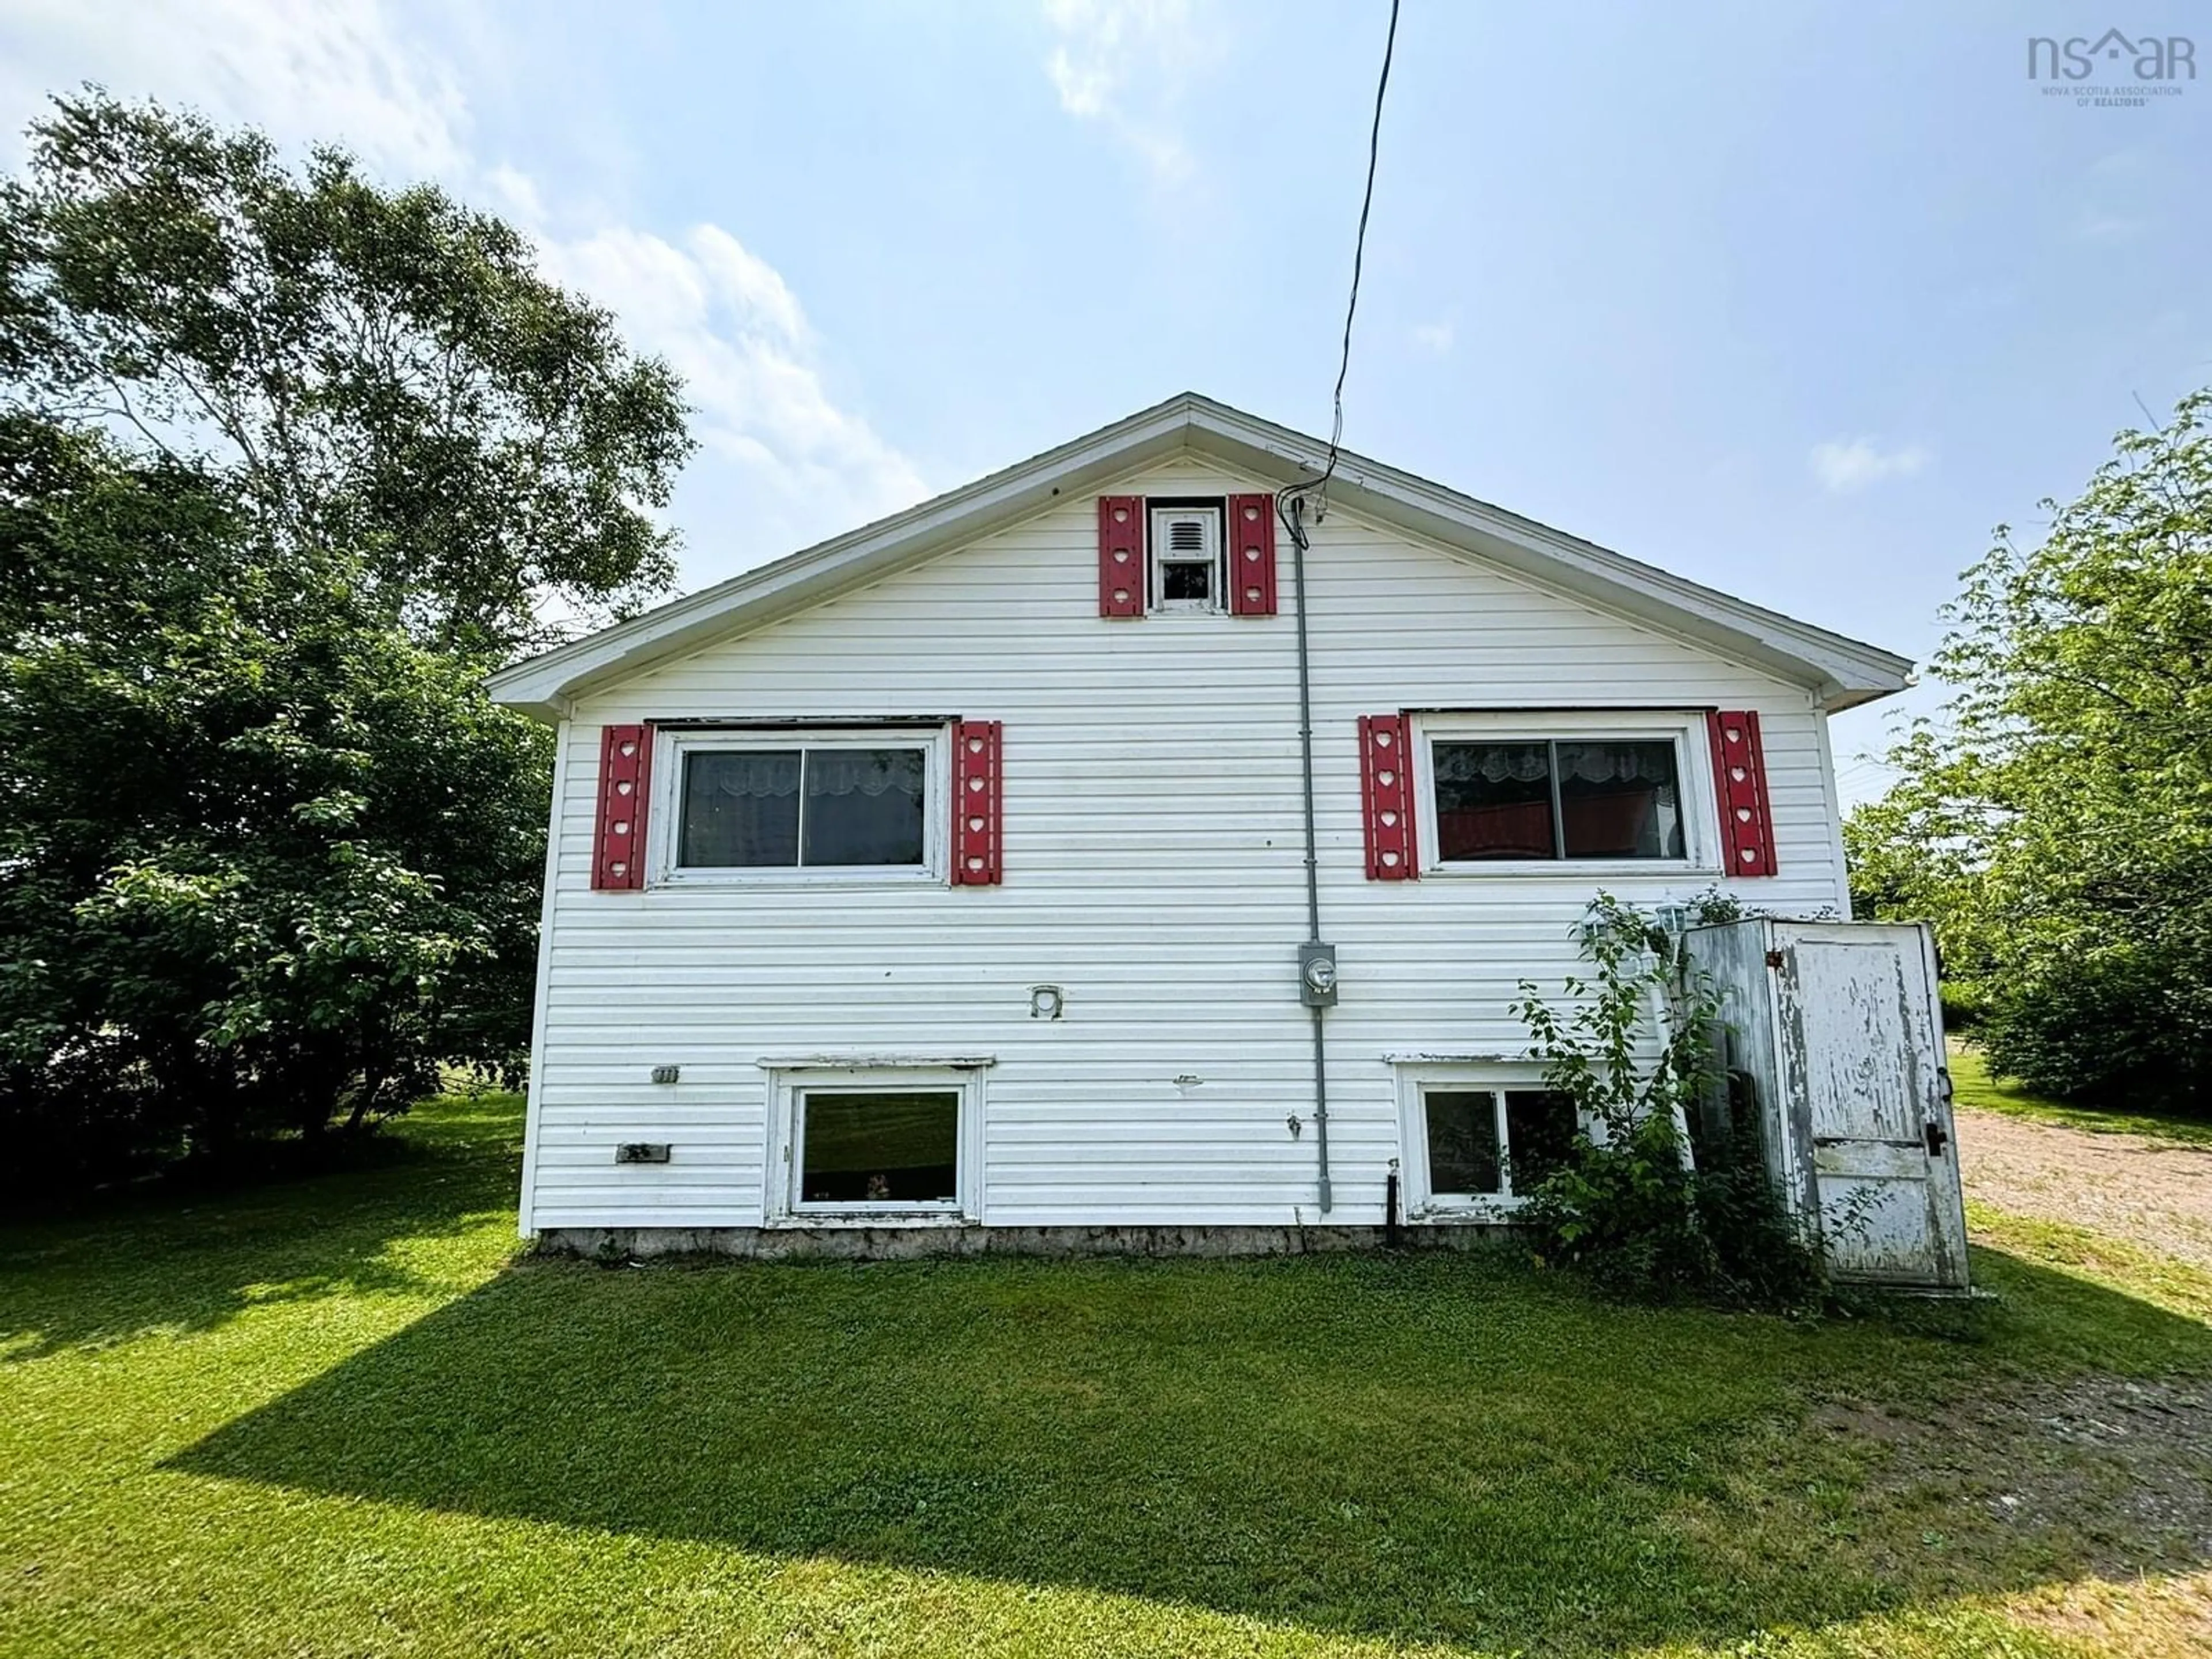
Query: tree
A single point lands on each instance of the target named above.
(383, 371)
(2056, 823)
(270, 859)
(287, 464)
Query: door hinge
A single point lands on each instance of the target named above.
(1774, 958)
(1936, 1139)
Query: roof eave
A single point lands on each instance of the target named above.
(544, 684)
(1841, 672)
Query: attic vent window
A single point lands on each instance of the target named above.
(1187, 558)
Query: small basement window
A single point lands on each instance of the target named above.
(879, 1149)
(854, 805)
(1484, 1142)
(1476, 1139)
(1186, 551)
(867, 1146)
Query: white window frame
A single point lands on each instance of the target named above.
(1415, 1082)
(788, 1087)
(1685, 728)
(1218, 603)
(665, 828)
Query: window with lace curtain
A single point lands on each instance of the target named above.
(1611, 791)
(829, 803)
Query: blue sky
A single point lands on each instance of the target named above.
(1796, 300)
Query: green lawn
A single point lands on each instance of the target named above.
(1970, 1077)
(333, 1418)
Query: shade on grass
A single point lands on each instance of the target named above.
(330, 1419)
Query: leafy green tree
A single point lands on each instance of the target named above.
(2055, 824)
(270, 860)
(288, 463)
(379, 372)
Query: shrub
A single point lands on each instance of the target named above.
(1629, 1207)
(2129, 1028)
(1965, 1005)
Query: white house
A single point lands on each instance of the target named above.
(946, 884)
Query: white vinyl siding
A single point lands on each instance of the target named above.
(1153, 869)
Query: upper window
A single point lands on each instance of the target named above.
(1553, 788)
(847, 803)
(1605, 799)
(1186, 548)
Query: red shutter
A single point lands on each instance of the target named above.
(618, 838)
(1386, 794)
(1120, 555)
(975, 819)
(1252, 555)
(1739, 777)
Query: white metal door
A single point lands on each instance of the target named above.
(1863, 1045)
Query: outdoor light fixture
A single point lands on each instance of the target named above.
(1046, 1001)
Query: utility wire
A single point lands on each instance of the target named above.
(1320, 486)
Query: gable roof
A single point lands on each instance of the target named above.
(1843, 671)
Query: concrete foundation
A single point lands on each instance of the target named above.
(906, 1244)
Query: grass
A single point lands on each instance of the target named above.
(337, 1417)
(1976, 1088)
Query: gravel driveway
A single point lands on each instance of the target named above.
(2155, 1194)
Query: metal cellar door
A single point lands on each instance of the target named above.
(1861, 1033)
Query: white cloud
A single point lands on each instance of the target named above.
(301, 71)
(736, 333)
(2096, 225)
(796, 465)
(1435, 337)
(1856, 463)
(1125, 63)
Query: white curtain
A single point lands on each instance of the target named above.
(762, 775)
(1526, 763)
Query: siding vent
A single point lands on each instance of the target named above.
(618, 836)
(976, 771)
(1252, 555)
(1386, 792)
(1120, 555)
(1740, 781)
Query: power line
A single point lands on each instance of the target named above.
(1358, 256)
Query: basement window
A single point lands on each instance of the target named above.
(1186, 549)
(1488, 1141)
(1476, 1140)
(870, 1145)
(880, 1148)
